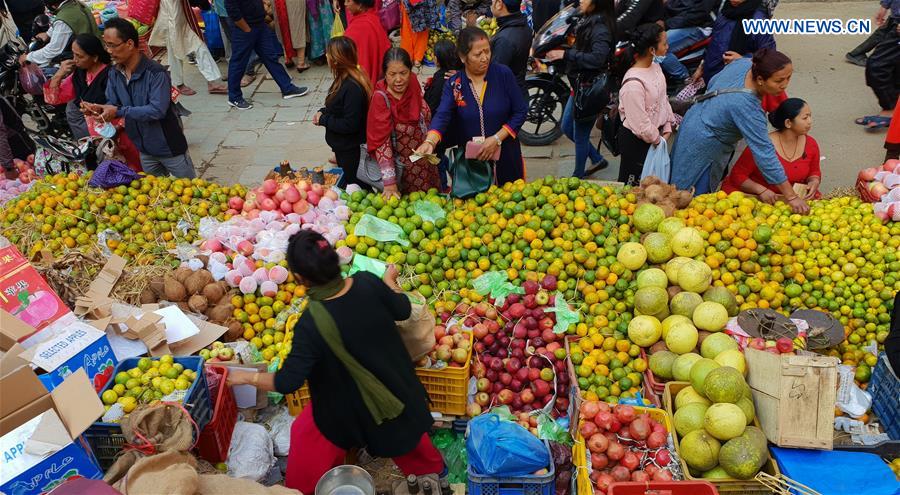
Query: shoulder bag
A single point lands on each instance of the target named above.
(470, 176)
(591, 97)
(685, 106)
(369, 172)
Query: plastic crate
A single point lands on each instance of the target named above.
(215, 438)
(106, 439)
(662, 487)
(513, 485)
(448, 388)
(885, 390)
(727, 485)
(864, 194)
(296, 401)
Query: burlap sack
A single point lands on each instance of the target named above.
(417, 332)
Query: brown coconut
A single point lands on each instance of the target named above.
(157, 285)
(198, 303)
(213, 292)
(148, 296)
(182, 273)
(183, 306)
(235, 330)
(197, 281)
(173, 290)
(220, 312)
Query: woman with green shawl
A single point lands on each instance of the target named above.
(363, 385)
(320, 18)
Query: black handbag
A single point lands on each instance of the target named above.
(591, 97)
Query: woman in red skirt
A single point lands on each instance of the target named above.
(364, 389)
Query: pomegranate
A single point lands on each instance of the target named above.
(587, 428)
(620, 473)
(663, 457)
(599, 461)
(615, 451)
(598, 443)
(630, 460)
(639, 429)
(656, 440)
(625, 413)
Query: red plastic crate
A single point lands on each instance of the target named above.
(215, 439)
(662, 488)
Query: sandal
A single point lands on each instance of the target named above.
(301, 70)
(247, 80)
(186, 91)
(866, 120)
(877, 122)
(218, 90)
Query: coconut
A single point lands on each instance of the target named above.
(235, 330)
(198, 303)
(220, 312)
(157, 285)
(182, 273)
(197, 281)
(213, 292)
(173, 290)
(148, 296)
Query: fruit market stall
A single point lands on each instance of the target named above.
(628, 335)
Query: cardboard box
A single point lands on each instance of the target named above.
(64, 347)
(25, 294)
(794, 398)
(39, 432)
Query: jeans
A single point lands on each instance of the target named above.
(580, 134)
(262, 41)
(227, 26)
(178, 165)
(679, 39)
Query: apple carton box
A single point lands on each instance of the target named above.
(62, 348)
(40, 432)
(25, 294)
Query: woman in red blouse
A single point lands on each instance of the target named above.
(797, 150)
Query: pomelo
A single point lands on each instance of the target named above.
(687, 242)
(724, 384)
(710, 316)
(699, 371)
(681, 368)
(716, 473)
(632, 255)
(749, 409)
(716, 344)
(661, 364)
(694, 276)
(659, 247)
(647, 217)
(741, 458)
(672, 267)
(733, 358)
(651, 300)
(700, 450)
(724, 421)
(724, 297)
(690, 418)
(670, 321)
(682, 338)
(644, 330)
(684, 304)
(670, 226)
(687, 396)
(652, 277)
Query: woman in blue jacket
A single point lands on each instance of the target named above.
(728, 41)
(482, 89)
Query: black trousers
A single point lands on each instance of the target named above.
(633, 153)
(348, 160)
(872, 41)
(883, 69)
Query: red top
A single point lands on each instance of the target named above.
(770, 103)
(371, 42)
(798, 170)
(893, 134)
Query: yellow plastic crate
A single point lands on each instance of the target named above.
(448, 388)
(731, 486)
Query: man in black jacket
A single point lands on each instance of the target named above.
(686, 22)
(512, 43)
(632, 13)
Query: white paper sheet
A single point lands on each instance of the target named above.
(178, 325)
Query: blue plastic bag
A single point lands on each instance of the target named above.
(657, 162)
(502, 448)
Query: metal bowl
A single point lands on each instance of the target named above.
(346, 480)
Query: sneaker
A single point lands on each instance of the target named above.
(859, 60)
(295, 92)
(241, 104)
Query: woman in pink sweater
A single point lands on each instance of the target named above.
(644, 106)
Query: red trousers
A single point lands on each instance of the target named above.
(312, 455)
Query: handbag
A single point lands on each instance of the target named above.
(369, 172)
(390, 15)
(591, 98)
(469, 177)
(610, 122)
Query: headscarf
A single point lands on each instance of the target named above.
(740, 40)
(406, 110)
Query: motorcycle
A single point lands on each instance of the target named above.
(548, 87)
(46, 125)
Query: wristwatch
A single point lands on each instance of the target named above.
(499, 142)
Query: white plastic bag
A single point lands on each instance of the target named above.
(280, 429)
(251, 454)
(657, 162)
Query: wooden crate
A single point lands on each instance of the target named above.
(794, 398)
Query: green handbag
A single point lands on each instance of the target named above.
(469, 177)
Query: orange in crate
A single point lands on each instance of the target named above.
(448, 388)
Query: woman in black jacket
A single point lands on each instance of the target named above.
(595, 39)
(346, 106)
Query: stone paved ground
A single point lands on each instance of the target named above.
(228, 145)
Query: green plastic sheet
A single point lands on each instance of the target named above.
(564, 315)
(497, 285)
(380, 230)
(549, 429)
(429, 211)
(453, 448)
(365, 264)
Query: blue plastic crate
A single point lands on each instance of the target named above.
(106, 439)
(885, 390)
(514, 485)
